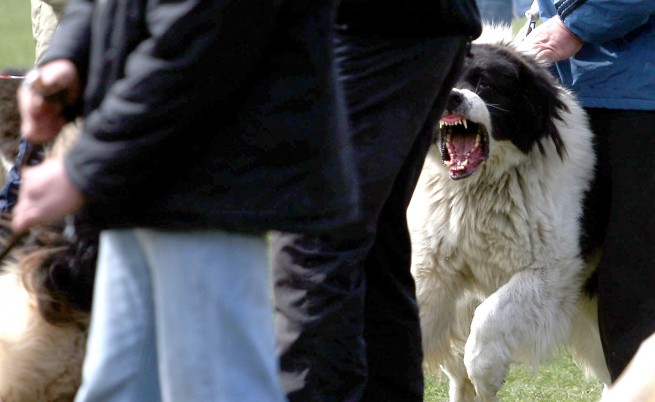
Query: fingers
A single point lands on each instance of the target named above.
(40, 120)
(46, 194)
(23, 219)
(42, 98)
(551, 41)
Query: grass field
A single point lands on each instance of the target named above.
(16, 43)
(559, 381)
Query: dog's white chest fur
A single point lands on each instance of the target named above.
(511, 215)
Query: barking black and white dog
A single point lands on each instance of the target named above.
(502, 257)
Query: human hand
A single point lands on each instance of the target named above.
(43, 97)
(551, 41)
(45, 195)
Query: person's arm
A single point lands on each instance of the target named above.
(197, 55)
(598, 21)
(593, 21)
(45, 195)
(43, 100)
(73, 38)
(57, 5)
(552, 41)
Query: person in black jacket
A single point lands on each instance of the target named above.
(346, 314)
(207, 123)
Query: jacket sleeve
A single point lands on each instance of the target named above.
(74, 39)
(57, 5)
(190, 59)
(598, 21)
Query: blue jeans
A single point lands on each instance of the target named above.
(181, 316)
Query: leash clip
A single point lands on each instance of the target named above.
(532, 16)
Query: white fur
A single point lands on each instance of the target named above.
(497, 262)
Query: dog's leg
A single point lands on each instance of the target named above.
(522, 322)
(460, 388)
(445, 323)
(437, 311)
(584, 344)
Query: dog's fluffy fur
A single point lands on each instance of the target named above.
(46, 286)
(40, 353)
(501, 253)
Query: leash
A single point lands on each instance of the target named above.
(532, 16)
(32, 81)
(17, 238)
(11, 77)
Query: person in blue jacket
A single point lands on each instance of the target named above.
(605, 52)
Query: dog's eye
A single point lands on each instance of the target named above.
(481, 87)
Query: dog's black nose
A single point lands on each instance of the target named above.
(455, 99)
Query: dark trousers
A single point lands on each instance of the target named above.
(346, 314)
(626, 302)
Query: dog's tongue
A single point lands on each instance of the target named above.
(465, 156)
(462, 144)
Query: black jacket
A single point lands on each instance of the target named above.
(208, 114)
(411, 18)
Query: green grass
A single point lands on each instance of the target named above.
(559, 381)
(16, 42)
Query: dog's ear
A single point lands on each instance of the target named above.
(540, 102)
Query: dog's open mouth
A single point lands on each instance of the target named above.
(464, 145)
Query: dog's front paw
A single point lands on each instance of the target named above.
(486, 354)
(485, 370)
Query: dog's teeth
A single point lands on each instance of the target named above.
(441, 124)
(477, 140)
(464, 123)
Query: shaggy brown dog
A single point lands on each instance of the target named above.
(46, 286)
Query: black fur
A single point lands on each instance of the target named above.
(495, 72)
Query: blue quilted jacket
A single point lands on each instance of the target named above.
(616, 67)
